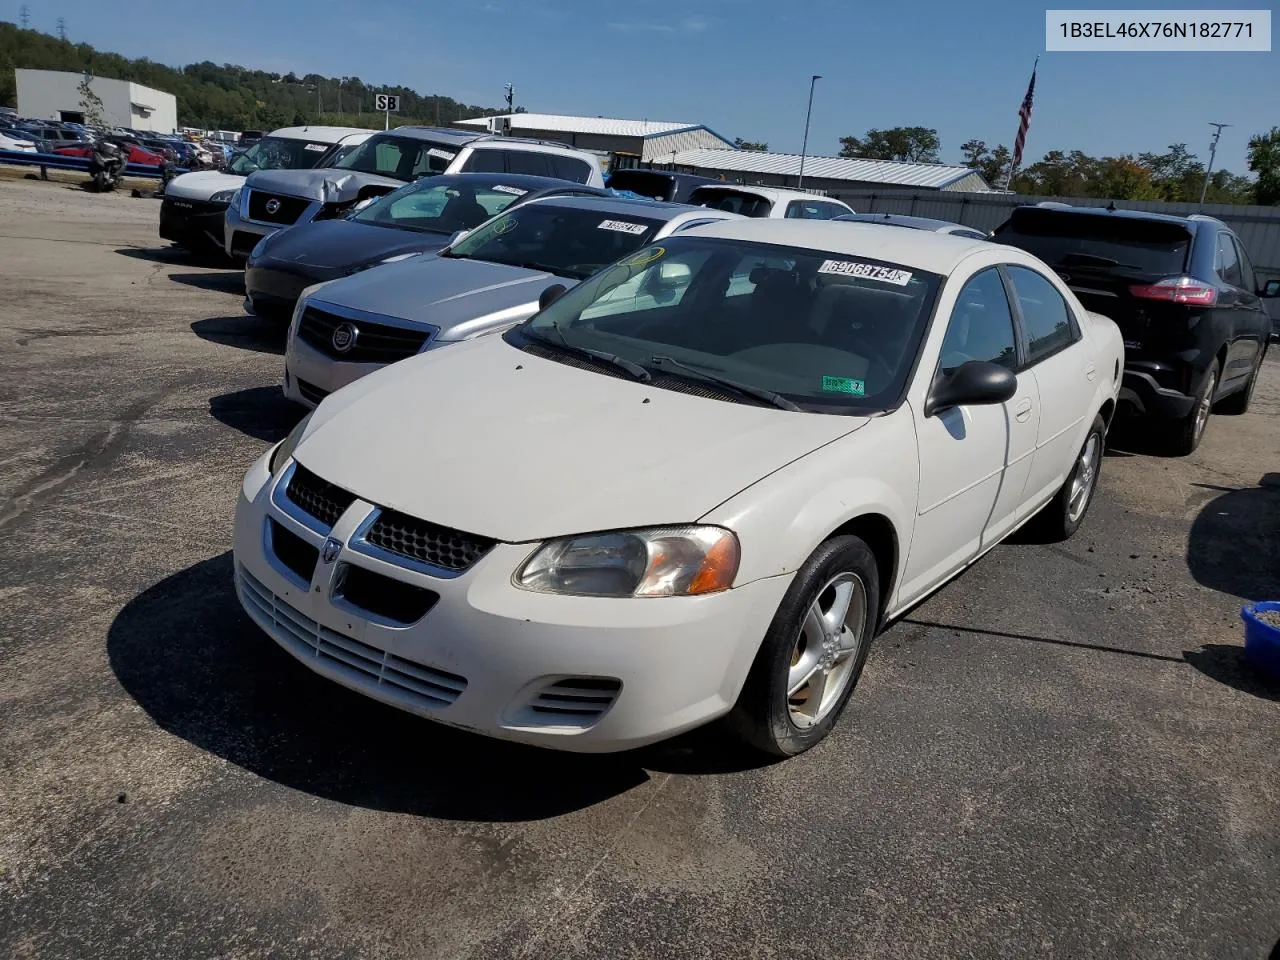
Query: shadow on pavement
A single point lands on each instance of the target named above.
(203, 671)
(1234, 543)
(260, 412)
(224, 281)
(244, 332)
(179, 255)
(1227, 665)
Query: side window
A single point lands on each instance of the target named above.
(969, 234)
(485, 161)
(981, 326)
(527, 162)
(1228, 261)
(1247, 279)
(830, 210)
(1050, 327)
(570, 168)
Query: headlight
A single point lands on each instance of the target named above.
(286, 447)
(658, 562)
(224, 196)
(401, 256)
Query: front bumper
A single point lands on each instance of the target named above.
(273, 288)
(310, 376)
(486, 652)
(194, 224)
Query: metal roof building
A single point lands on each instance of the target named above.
(827, 173)
(652, 141)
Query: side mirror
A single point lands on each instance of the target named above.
(1271, 289)
(551, 295)
(458, 235)
(974, 383)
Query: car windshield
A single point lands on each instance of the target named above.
(567, 241)
(1101, 242)
(278, 153)
(398, 157)
(442, 204)
(830, 332)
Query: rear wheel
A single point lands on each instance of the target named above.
(814, 652)
(1062, 516)
(1239, 401)
(1187, 433)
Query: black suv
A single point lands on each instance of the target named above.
(1183, 293)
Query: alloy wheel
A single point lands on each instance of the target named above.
(826, 650)
(1084, 478)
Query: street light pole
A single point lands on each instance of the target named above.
(1213, 149)
(804, 149)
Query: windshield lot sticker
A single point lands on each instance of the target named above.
(505, 226)
(866, 271)
(316, 147)
(441, 154)
(643, 258)
(503, 188)
(856, 388)
(622, 226)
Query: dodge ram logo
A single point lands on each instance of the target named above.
(344, 337)
(331, 550)
(273, 206)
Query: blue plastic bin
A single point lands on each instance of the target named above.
(1261, 640)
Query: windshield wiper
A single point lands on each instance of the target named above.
(760, 393)
(1092, 260)
(636, 371)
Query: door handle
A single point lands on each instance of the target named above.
(1022, 411)
(1091, 372)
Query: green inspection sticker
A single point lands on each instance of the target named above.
(857, 388)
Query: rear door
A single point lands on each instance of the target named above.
(1241, 308)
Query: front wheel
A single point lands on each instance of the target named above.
(814, 651)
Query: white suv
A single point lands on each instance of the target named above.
(272, 200)
(769, 202)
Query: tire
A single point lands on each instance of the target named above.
(1239, 401)
(1185, 434)
(782, 723)
(1061, 517)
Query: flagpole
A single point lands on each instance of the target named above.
(1012, 169)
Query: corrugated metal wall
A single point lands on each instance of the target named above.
(1258, 227)
(659, 149)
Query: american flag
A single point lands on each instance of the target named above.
(1024, 120)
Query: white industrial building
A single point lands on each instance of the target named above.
(54, 95)
(652, 141)
(827, 173)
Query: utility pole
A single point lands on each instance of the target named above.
(511, 97)
(62, 29)
(804, 149)
(24, 16)
(1213, 149)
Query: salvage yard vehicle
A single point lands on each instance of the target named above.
(1183, 293)
(658, 184)
(272, 201)
(914, 223)
(695, 485)
(17, 142)
(194, 208)
(421, 217)
(480, 284)
(769, 202)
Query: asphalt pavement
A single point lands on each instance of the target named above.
(1061, 754)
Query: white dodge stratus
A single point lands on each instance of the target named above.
(697, 484)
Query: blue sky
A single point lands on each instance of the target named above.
(740, 66)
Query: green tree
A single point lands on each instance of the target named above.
(1177, 175)
(90, 102)
(1264, 160)
(755, 146)
(992, 164)
(918, 144)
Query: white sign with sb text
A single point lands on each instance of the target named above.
(1127, 31)
(386, 102)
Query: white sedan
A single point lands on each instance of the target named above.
(8, 141)
(633, 514)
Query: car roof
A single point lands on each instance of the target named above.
(901, 220)
(623, 206)
(923, 250)
(318, 134)
(770, 193)
(528, 181)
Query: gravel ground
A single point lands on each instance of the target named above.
(1061, 754)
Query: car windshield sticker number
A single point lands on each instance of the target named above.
(316, 147)
(505, 225)
(855, 388)
(643, 258)
(503, 188)
(866, 271)
(622, 226)
(442, 154)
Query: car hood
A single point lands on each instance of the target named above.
(442, 291)
(486, 438)
(327, 185)
(335, 244)
(202, 185)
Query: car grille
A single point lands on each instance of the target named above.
(288, 211)
(185, 207)
(310, 392)
(317, 497)
(364, 665)
(426, 542)
(374, 342)
(394, 600)
(294, 552)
